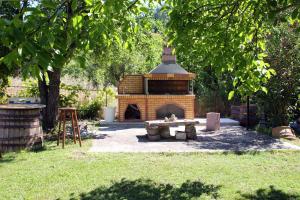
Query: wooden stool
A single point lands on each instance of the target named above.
(63, 112)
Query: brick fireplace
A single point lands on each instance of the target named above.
(165, 90)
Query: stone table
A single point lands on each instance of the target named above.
(157, 129)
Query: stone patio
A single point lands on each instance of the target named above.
(202, 121)
(132, 138)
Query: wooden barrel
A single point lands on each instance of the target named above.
(20, 128)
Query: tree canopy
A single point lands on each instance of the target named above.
(229, 36)
(109, 64)
(42, 36)
(45, 35)
(39, 38)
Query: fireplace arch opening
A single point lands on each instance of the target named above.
(169, 109)
(132, 112)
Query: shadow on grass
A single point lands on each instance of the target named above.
(141, 189)
(270, 193)
(47, 146)
(9, 157)
(69, 136)
(52, 145)
(250, 152)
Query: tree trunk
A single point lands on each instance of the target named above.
(43, 90)
(49, 95)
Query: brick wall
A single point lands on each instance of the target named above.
(125, 100)
(148, 104)
(131, 84)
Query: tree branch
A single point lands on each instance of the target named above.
(131, 5)
(48, 20)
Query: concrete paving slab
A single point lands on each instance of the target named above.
(132, 138)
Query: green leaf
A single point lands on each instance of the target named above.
(295, 13)
(144, 9)
(49, 4)
(74, 4)
(235, 81)
(264, 89)
(230, 95)
(89, 2)
(126, 45)
(28, 47)
(51, 40)
(262, 45)
(77, 21)
(117, 39)
(17, 22)
(268, 74)
(44, 59)
(20, 50)
(10, 58)
(136, 29)
(272, 71)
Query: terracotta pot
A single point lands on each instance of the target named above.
(282, 131)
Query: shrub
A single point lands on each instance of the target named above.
(93, 108)
(31, 89)
(3, 95)
(70, 95)
(280, 104)
(90, 109)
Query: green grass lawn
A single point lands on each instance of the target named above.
(73, 173)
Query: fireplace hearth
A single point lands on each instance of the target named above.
(169, 109)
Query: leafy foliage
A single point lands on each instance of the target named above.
(281, 102)
(106, 67)
(70, 95)
(229, 36)
(31, 89)
(92, 108)
(7, 12)
(3, 95)
(51, 31)
(42, 37)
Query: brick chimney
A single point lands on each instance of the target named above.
(167, 57)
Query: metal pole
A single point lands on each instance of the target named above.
(105, 97)
(248, 112)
